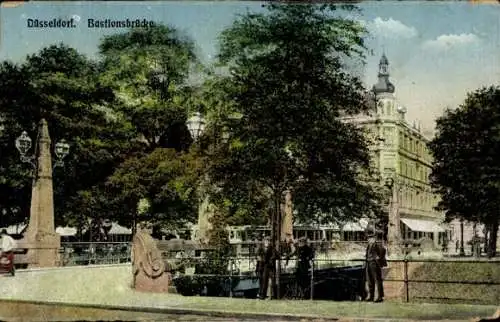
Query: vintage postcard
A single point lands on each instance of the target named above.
(249, 161)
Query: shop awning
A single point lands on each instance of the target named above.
(119, 230)
(66, 231)
(426, 226)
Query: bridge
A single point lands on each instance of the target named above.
(105, 290)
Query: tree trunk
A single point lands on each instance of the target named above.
(492, 240)
(273, 246)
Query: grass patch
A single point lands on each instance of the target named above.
(485, 272)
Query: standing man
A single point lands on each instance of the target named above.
(266, 256)
(375, 260)
(304, 254)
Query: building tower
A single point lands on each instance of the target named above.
(383, 85)
(384, 91)
(387, 116)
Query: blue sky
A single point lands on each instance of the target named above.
(438, 51)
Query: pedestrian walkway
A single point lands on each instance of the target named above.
(108, 287)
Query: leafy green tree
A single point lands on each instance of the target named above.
(148, 70)
(289, 81)
(466, 171)
(62, 86)
(214, 99)
(166, 177)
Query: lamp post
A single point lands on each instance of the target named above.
(462, 249)
(196, 126)
(40, 238)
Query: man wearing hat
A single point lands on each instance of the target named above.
(304, 254)
(266, 256)
(375, 260)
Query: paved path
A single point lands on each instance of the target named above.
(108, 287)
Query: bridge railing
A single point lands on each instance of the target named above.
(90, 253)
(474, 282)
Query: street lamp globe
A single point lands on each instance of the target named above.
(23, 143)
(62, 149)
(196, 125)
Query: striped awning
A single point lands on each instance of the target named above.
(426, 226)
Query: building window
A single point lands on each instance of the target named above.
(380, 107)
(388, 136)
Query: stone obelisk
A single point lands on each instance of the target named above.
(41, 239)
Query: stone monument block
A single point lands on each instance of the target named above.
(150, 272)
(40, 238)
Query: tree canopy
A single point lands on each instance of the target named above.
(121, 115)
(466, 171)
(282, 101)
(60, 85)
(148, 70)
(288, 80)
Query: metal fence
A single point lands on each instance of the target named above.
(448, 281)
(90, 253)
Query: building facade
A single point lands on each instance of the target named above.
(400, 154)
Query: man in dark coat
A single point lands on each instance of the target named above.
(375, 260)
(266, 256)
(304, 254)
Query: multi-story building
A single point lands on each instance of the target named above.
(399, 152)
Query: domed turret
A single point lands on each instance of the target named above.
(383, 85)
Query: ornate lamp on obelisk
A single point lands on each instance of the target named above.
(40, 238)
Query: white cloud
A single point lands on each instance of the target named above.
(451, 40)
(391, 28)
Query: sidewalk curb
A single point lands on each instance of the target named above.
(180, 311)
(214, 313)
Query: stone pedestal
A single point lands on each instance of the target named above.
(394, 224)
(40, 238)
(148, 268)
